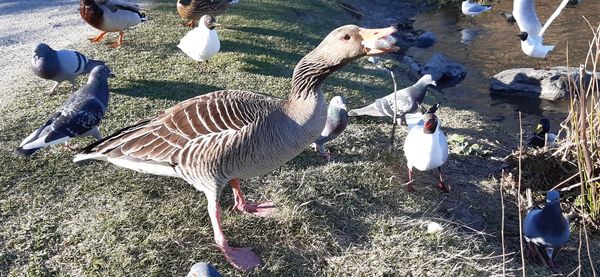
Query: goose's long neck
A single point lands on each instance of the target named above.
(308, 76)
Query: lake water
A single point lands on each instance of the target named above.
(488, 45)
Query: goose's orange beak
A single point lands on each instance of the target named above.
(378, 41)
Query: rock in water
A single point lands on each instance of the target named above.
(550, 84)
(445, 72)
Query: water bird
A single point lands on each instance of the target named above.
(195, 9)
(532, 32)
(79, 116)
(110, 16)
(337, 120)
(426, 147)
(203, 270)
(224, 136)
(547, 227)
(61, 65)
(541, 135)
(406, 100)
(472, 9)
(202, 42)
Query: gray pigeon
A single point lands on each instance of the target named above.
(547, 227)
(337, 120)
(408, 100)
(80, 115)
(62, 65)
(203, 270)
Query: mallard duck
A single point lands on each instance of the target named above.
(408, 100)
(337, 120)
(547, 227)
(201, 43)
(426, 147)
(541, 135)
(223, 136)
(195, 9)
(110, 16)
(79, 116)
(59, 66)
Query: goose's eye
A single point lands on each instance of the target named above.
(346, 37)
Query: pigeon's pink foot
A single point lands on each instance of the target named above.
(442, 187)
(264, 209)
(242, 258)
(327, 156)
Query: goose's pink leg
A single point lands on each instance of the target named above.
(258, 209)
(241, 258)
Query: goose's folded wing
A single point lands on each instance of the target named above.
(161, 138)
(562, 5)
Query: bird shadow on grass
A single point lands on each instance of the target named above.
(177, 91)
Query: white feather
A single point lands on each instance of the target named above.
(39, 142)
(562, 5)
(201, 43)
(425, 151)
(152, 167)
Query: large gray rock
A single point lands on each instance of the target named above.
(445, 72)
(550, 84)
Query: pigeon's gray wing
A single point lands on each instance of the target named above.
(385, 106)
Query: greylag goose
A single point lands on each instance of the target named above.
(59, 66)
(547, 227)
(407, 100)
(79, 116)
(201, 43)
(223, 136)
(110, 16)
(194, 9)
(337, 120)
(532, 32)
(541, 135)
(426, 147)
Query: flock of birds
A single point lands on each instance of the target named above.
(220, 137)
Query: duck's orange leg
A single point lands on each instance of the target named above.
(118, 42)
(190, 24)
(98, 38)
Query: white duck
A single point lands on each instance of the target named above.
(426, 147)
(201, 43)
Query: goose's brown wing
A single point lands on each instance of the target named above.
(161, 138)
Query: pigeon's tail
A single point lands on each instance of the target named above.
(370, 110)
(232, 2)
(25, 152)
